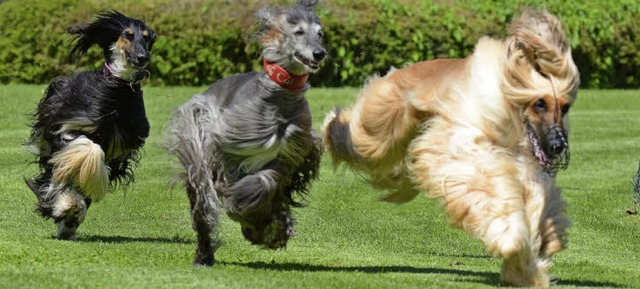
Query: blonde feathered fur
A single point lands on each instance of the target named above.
(480, 134)
(81, 163)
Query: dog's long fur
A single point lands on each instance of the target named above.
(484, 134)
(246, 144)
(88, 128)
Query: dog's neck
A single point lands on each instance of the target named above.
(108, 72)
(284, 78)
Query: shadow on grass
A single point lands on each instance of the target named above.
(485, 277)
(462, 255)
(587, 283)
(123, 239)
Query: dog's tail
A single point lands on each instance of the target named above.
(337, 138)
(187, 139)
(373, 136)
(378, 127)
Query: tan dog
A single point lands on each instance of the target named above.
(485, 134)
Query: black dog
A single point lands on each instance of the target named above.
(88, 129)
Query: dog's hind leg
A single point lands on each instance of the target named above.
(204, 216)
(62, 203)
(73, 210)
(66, 207)
(204, 204)
(73, 176)
(190, 139)
(79, 174)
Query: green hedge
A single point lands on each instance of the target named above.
(202, 41)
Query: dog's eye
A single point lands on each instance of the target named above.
(128, 34)
(298, 32)
(320, 34)
(540, 105)
(565, 109)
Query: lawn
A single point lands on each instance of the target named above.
(141, 237)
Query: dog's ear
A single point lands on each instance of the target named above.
(152, 38)
(266, 18)
(103, 31)
(309, 4)
(81, 37)
(539, 38)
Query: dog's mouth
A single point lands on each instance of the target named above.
(538, 152)
(551, 160)
(312, 64)
(139, 67)
(136, 64)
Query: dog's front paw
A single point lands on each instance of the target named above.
(519, 271)
(203, 259)
(67, 230)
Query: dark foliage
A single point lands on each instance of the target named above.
(204, 41)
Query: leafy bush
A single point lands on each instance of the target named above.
(201, 41)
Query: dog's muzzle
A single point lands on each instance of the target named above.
(551, 150)
(556, 141)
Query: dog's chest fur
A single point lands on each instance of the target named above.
(261, 132)
(255, 128)
(111, 115)
(124, 130)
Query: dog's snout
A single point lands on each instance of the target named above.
(557, 146)
(558, 141)
(319, 54)
(142, 58)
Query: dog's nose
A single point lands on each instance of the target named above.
(557, 145)
(319, 54)
(142, 58)
(557, 140)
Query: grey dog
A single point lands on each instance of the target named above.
(246, 143)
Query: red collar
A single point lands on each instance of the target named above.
(283, 78)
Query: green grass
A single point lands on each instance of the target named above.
(142, 238)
